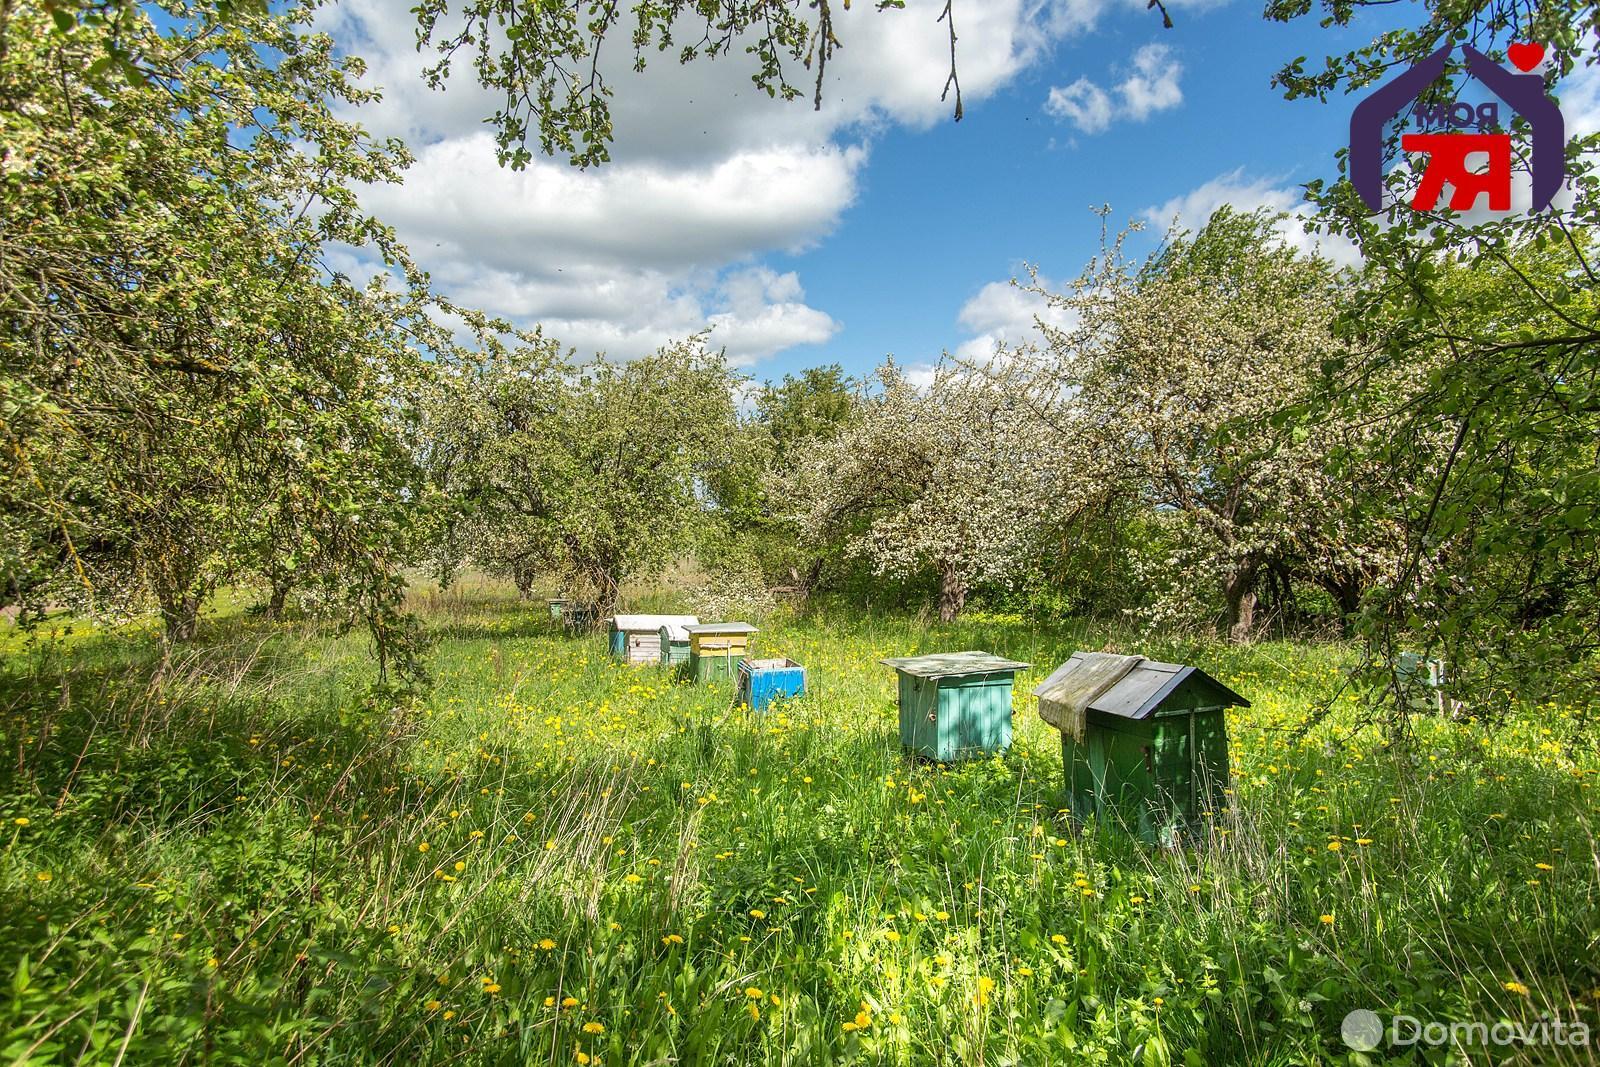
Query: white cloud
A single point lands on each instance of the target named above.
(1150, 85)
(708, 173)
(1580, 99)
(1191, 210)
(1153, 84)
(1006, 314)
(1084, 104)
(458, 200)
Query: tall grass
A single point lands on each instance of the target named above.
(555, 858)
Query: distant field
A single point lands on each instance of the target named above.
(556, 858)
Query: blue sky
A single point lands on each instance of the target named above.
(945, 210)
(878, 226)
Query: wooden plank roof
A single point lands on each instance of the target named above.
(954, 664)
(1139, 692)
(649, 623)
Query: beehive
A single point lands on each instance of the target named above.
(558, 606)
(1143, 742)
(762, 681)
(716, 648)
(674, 641)
(637, 638)
(955, 705)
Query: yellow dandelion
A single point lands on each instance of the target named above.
(593, 1028)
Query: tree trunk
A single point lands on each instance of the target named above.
(275, 602)
(180, 614)
(523, 576)
(1240, 590)
(952, 593)
(178, 593)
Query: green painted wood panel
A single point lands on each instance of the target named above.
(1157, 777)
(712, 667)
(950, 719)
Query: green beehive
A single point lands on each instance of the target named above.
(955, 705)
(716, 649)
(674, 645)
(558, 606)
(1142, 742)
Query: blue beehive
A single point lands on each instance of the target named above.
(955, 705)
(761, 681)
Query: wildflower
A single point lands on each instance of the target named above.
(1057, 939)
(422, 847)
(1136, 899)
(1544, 866)
(1025, 971)
(891, 935)
(1517, 988)
(461, 865)
(433, 1005)
(1158, 1002)
(1194, 889)
(1334, 846)
(593, 1028)
(20, 820)
(583, 1057)
(753, 993)
(44, 876)
(757, 913)
(546, 944)
(942, 916)
(985, 987)
(1327, 920)
(569, 1002)
(632, 878)
(491, 988)
(449, 1015)
(672, 939)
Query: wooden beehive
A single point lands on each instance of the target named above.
(955, 705)
(674, 642)
(1142, 741)
(715, 649)
(636, 639)
(763, 681)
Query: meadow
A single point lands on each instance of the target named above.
(251, 856)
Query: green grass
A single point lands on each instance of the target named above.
(246, 860)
